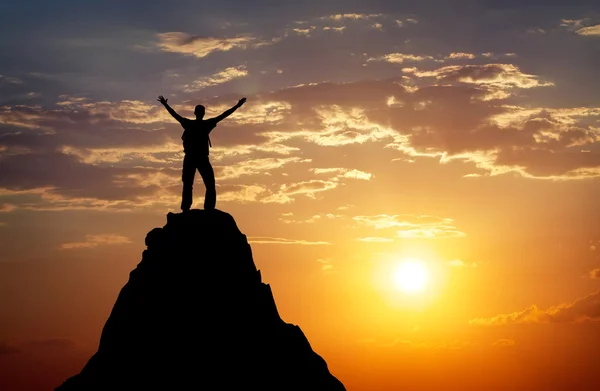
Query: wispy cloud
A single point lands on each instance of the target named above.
(198, 46)
(6, 349)
(412, 226)
(572, 24)
(535, 30)
(9, 80)
(5, 207)
(589, 30)
(500, 75)
(241, 193)
(399, 58)
(457, 263)
(581, 310)
(269, 240)
(460, 56)
(256, 166)
(351, 16)
(374, 239)
(326, 265)
(220, 77)
(338, 29)
(310, 189)
(343, 173)
(92, 241)
(406, 22)
(288, 218)
(504, 343)
(304, 31)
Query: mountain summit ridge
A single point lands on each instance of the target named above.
(195, 314)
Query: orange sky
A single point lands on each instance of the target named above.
(463, 137)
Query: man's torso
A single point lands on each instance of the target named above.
(195, 136)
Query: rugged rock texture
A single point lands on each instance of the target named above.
(195, 315)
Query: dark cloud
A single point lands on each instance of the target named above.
(105, 150)
(5, 348)
(68, 176)
(37, 346)
(50, 344)
(82, 126)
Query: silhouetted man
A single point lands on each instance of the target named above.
(196, 142)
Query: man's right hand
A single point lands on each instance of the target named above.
(162, 99)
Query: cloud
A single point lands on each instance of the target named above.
(304, 31)
(399, 58)
(9, 80)
(504, 343)
(255, 167)
(595, 274)
(336, 126)
(589, 30)
(399, 343)
(309, 188)
(240, 193)
(374, 239)
(343, 173)
(92, 241)
(278, 194)
(460, 56)
(269, 240)
(220, 77)
(193, 45)
(500, 75)
(81, 153)
(6, 349)
(339, 29)
(65, 175)
(412, 226)
(572, 24)
(585, 309)
(4, 207)
(457, 263)
(256, 112)
(288, 218)
(405, 22)
(81, 123)
(339, 17)
(535, 30)
(326, 265)
(50, 344)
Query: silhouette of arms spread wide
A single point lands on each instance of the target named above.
(227, 113)
(162, 100)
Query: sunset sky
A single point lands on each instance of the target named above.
(459, 140)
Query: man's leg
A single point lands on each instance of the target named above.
(187, 176)
(208, 176)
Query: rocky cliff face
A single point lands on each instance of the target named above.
(195, 315)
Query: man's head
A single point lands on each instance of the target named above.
(199, 111)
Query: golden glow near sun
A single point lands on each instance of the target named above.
(411, 276)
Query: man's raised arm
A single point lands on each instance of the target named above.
(227, 113)
(162, 100)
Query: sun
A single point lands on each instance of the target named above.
(411, 276)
